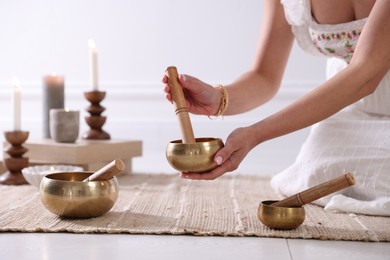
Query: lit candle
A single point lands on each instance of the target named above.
(16, 99)
(64, 125)
(93, 56)
(53, 97)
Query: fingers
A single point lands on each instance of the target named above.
(217, 172)
(164, 79)
(222, 159)
(167, 89)
(211, 175)
(183, 80)
(228, 158)
(186, 81)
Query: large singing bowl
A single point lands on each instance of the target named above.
(194, 157)
(66, 195)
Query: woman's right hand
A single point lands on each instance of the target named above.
(201, 98)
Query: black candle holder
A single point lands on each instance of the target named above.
(16, 162)
(95, 120)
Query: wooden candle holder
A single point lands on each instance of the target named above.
(16, 162)
(95, 120)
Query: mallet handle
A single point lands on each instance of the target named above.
(180, 105)
(108, 171)
(317, 192)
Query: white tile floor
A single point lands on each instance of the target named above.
(58, 246)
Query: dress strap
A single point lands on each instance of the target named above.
(298, 15)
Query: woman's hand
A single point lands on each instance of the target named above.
(238, 145)
(201, 98)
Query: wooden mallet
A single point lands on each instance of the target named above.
(180, 105)
(317, 192)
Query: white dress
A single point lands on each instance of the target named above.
(356, 139)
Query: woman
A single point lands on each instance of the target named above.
(349, 113)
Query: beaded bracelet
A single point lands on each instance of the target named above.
(224, 102)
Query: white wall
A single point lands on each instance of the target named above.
(213, 40)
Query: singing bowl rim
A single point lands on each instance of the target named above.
(72, 198)
(198, 141)
(280, 218)
(193, 156)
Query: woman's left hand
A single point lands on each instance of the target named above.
(238, 145)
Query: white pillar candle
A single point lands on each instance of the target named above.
(16, 100)
(53, 97)
(93, 63)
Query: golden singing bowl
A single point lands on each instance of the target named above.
(194, 157)
(280, 217)
(65, 195)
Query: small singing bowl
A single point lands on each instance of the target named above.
(66, 195)
(194, 157)
(282, 218)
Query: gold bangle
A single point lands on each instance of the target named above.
(224, 101)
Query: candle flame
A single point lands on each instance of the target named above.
(91, 43)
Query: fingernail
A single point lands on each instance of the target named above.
(218, 160)
(183, 77)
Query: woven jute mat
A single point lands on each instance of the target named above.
(167, 204)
